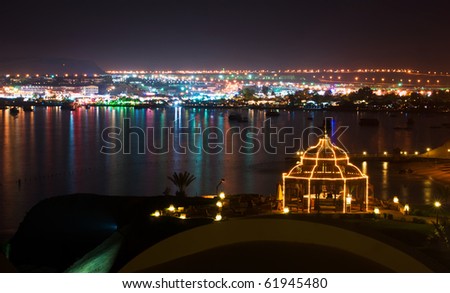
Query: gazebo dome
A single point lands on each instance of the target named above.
(325, 149)
(325, 160)
(324, 177)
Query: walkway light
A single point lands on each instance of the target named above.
(171, 208)
(406, 208)
(348, 200)
(156, 214)
(395, 199)
(376, 211)
(437, 205)
(219, 204)
(218, 217)
(286, 210)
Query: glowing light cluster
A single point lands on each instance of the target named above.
(326, 162)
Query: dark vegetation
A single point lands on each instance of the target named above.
(60, 230)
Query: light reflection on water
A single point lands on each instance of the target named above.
(385, 182)
(428, 191)
(364, 167)
(57, 152)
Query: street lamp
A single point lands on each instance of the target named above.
(220, 183)
(437, 205)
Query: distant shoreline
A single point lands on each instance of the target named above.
(143, 106)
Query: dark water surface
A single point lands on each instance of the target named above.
(54, 152)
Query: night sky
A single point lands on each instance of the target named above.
(216, 34)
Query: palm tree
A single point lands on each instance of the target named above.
(182, 181)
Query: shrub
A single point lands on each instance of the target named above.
(419, 221)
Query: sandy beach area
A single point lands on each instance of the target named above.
(436, 170)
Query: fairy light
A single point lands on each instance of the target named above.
(325, 144)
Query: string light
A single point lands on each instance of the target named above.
(324, 145)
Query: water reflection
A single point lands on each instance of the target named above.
(428, 191)
(58, 152)
(385, 181)
(364, 167)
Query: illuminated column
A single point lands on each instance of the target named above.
(284, 191)
(344, 198)
(309, 196)
(367, 194)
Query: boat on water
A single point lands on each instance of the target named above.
(368, 122)
(272, 113)
(68, 106)
(27, 108)
(237, 117)
(14, 111)
(142, 106)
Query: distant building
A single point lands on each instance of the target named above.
(90, 90)
(30, 90)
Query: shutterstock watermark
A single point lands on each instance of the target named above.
(191, 139)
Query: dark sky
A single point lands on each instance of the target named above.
(198, 34)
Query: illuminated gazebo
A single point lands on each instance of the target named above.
(324, 179)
